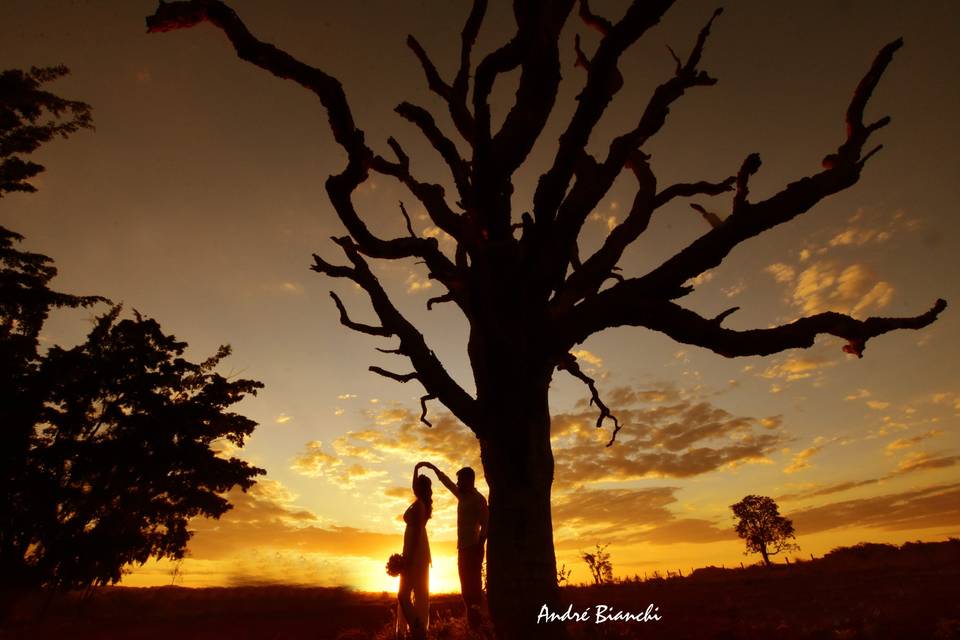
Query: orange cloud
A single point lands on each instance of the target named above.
(628, 516)
(935, 506)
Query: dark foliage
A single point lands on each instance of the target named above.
(108, 448)
(29, 117)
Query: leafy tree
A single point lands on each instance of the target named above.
(25, 296)
(29, 117)
(528, 296)
(601, 568)
(762, 527)
(106, 449)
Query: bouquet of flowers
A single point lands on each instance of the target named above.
(395, 565)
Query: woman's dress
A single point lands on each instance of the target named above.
(416, 553)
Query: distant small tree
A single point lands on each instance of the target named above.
(760, 524)
(601, 569)
(563, 575)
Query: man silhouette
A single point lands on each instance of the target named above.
(472, 517)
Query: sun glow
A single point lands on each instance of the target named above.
(444, 577)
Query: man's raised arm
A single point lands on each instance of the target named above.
(444, 478)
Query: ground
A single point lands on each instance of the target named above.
(875, 592)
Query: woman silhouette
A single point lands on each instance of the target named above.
(413, 617)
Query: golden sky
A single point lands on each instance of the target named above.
(199, 199)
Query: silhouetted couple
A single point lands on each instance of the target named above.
(413, 615)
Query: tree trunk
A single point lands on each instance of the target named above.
(518, 463)
(766, 556)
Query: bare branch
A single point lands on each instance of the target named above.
(568, 362)
(423, 406)
(591, 19)
(593, 100)
(447, 297)
(688, 327)
(456, 101)
(687, 190)
(322, 266)
(406, 219)
(447, 149)
(468, 37)
(585, 194)
(720, 317)
(752, 218)
(178, 15)
(857, 132)
(582, 60)
(712, 219)
(356, 326)
(588, 279)
(434, 81)
(749, 167)
(432, 196)
(429, 369)
(399, 377)
(534, 49)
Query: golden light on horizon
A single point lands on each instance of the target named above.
(444, 577)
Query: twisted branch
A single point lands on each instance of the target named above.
(568, 362)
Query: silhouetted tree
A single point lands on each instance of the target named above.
(108, 448)
(519, 280)
(762, 527)
(29, 117)
(601, 568)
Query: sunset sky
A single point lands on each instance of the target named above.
(199, 199)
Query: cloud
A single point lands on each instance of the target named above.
(627, 516)
(267, 516)
(346, 396)
(665, 435)
(859, 394)
(936, 506)
(796, 368)
(283, 419)
(734, 290)
(905, 443)
(317, 463)
(314, 461)
(782, 273)
(826, 286)
(284, 288)
(801, 460)
(588, 357)
(397, 435)
(703, 278)
(827, 490)
(919, 461)
(416, 284)
(858, 233)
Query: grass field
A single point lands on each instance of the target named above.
(875, 592)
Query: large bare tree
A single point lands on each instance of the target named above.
(520, 282)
